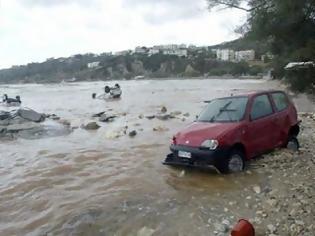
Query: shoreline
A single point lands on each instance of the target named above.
(223, 77)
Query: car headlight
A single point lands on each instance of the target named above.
(211, 144)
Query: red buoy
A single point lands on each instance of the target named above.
(243, 228)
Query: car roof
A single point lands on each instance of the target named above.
(250, 94)
(253, 93)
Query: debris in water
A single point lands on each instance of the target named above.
(182, 174)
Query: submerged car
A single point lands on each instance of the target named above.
(234, 129)
(11, 101)
(110, 93)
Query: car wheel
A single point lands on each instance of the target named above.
(234, 163)
(293, 144)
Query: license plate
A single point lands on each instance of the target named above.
(184, 154)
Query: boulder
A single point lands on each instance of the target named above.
(30, 115)
(99, 114)
(5, 115)
(150, 117)
(91, 126)
(163, 109)
(132, 133)
(64, 122)
(107, 118)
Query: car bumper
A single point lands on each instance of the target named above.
(200, 158)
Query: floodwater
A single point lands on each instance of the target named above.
(88, 183)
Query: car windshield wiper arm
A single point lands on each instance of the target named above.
(222, 109)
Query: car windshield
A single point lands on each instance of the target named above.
(224, 110)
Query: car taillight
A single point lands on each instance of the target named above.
(174, 141)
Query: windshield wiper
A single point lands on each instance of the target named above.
(221, 110)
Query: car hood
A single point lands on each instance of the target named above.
(194, 134)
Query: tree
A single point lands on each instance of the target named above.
(288, 26)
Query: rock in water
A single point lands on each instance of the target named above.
(4, 115)
(65, 122)
(99, 114)
(106, 118)
(91, 126)
(150, 117)
(182, 174)
(133, 133)
(164, 117)
(30, 115)
(163, 109)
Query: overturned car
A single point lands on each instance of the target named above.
(110, 93)
(234, 129)
(11, 101)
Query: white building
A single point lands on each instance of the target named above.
(176, 52)
(225, 55)
(153, 51)
(141, 50)
(122, 53)
(248, 55)
(93, 64)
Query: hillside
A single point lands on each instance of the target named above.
(198, 62)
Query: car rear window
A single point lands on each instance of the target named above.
(261, 107)
(280, 100)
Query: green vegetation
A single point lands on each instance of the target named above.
(286, 28)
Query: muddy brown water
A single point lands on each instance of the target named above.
(87, 183)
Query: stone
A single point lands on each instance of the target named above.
(99, 114)
(54, 117)
(160, 129)
(271, 228)
(4, 115)
(163, 109)
(107, 118)
(132, 133)
(64, 122)
(30, 115)
(186, 114)
(150, 117)
(226, 222)
(182, 174)
(222, 228)
(140, 116)
(176, 113)
(164, 117)
(91, 126)
(257, 189)
(145, 232)
(272, 202)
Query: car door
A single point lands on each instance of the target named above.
(281, 119)
(260, 136)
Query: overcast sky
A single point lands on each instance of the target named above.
(33, 30)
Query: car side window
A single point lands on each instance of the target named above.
(261, 107)
(280, 100)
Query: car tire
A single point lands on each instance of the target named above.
(234, 163)
(293, 144)
(107, 89)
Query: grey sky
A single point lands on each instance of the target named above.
(33, 30)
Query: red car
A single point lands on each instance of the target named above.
(234, 129)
